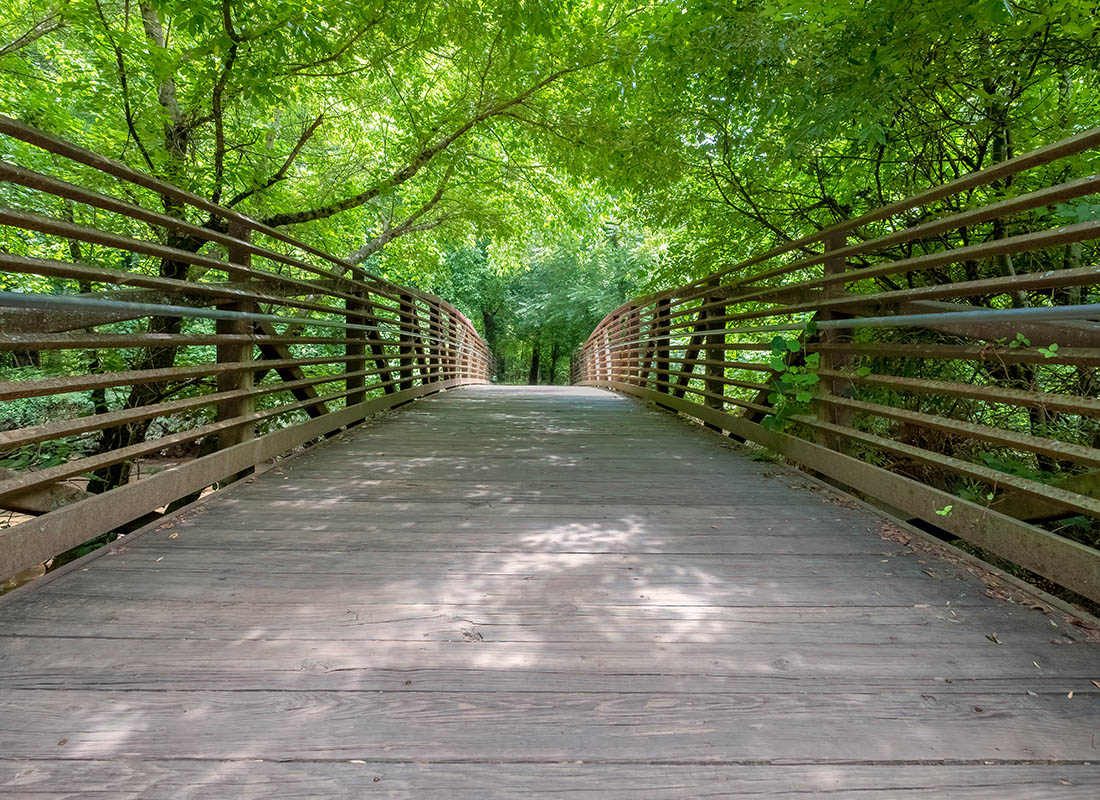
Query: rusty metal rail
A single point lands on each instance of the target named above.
(221, 334)
(937, 355)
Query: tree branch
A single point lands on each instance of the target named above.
(36, 32)
(420, 160)
(280, 174)
(408, 225)
(219, 118)
(339, 51)
(127, 109)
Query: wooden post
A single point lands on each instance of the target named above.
(458, 332)
(662, 351)
(614, 352)
(423, 357)
(435, 350)
(236, 352)
(605, 354)
(405, 355)
(632, 352)
(834, 265)
(715, 369)
(448, 344)
(355, 352)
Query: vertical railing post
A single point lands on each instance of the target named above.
(623, 349)
(239, 351)
(444, 345)
(834, 265)
(467, 353)
(448, 344)
(633, 366)
(405, 355)
(459, 334)
(421, 346)
(606, 354)
(715, 355)
(435, 351)
(614, 349)
(355, 351)
(662, 327)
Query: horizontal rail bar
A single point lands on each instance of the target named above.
(1089, 312)
(75, 302)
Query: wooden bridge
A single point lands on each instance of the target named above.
(365, 571)
(504, 592)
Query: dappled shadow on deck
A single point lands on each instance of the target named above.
(507, 591)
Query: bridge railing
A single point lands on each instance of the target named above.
(129, 336)
(938, 355)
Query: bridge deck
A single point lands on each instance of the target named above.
(512, 592)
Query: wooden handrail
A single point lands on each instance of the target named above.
(909, 392)
(269, 310)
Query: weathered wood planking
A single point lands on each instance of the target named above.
(125, 779)
(551, 592)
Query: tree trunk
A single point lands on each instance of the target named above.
(25, 358)
(555, 353)
(492, 333)
(533, 374)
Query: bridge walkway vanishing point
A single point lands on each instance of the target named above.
(538, 592)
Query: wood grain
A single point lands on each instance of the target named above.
(132, 779)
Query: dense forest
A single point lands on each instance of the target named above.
(542, 162)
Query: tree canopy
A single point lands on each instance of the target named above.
(540, 161)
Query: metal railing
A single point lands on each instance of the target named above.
(938, 355)
(220, 335)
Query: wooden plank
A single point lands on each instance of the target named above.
(68, 613)
(650, 567)
(521, 726)
(485, 536)
(133, 779)
(196, 663)
(184, 585)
